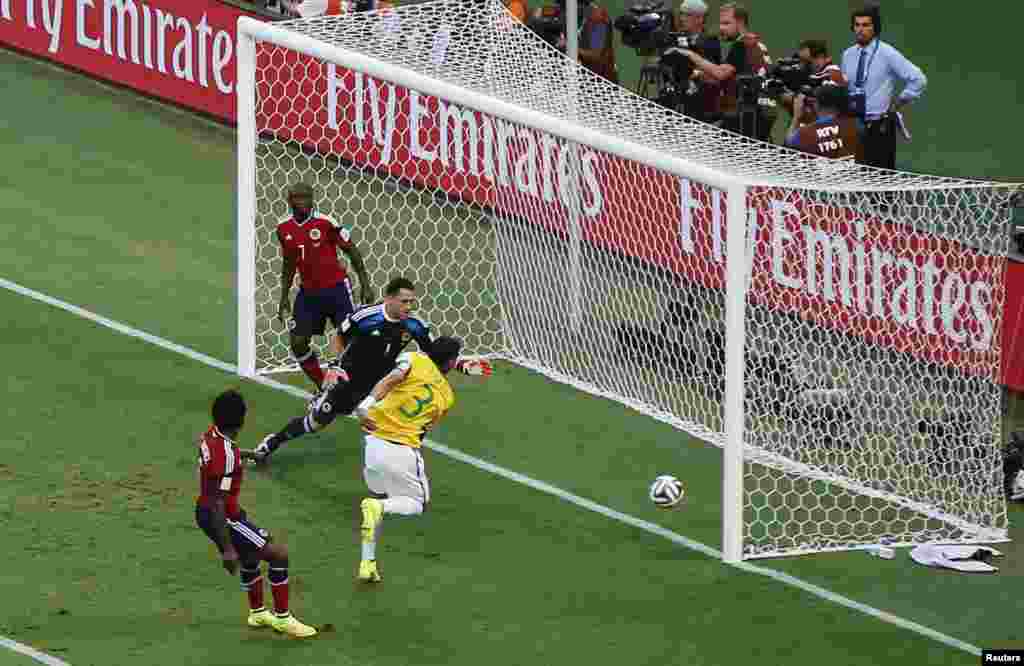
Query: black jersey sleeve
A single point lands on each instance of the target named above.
(347, 330)
(420, 332)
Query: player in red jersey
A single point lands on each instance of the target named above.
(240, 542)
(309, 243)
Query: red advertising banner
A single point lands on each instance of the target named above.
(182, 51)
(838, 266)
(1013, 327)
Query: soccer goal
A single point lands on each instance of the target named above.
(836, 329)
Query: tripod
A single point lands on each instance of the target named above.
(658, 83)
(749, 119)
(652, 78)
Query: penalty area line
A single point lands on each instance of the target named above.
(31, 653)
(564, 495)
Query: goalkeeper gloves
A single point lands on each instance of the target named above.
(474, 366)
(334, 374)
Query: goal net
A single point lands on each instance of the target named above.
(836, 328)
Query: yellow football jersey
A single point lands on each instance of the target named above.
(418, 402)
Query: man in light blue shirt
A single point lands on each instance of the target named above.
(873, 69)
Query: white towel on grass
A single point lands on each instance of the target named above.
(961, 558)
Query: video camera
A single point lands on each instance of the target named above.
(789, 75)
(647, 25)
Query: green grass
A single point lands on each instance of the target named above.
(118, 207)
(99, 500)
(124, 208)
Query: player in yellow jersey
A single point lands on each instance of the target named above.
(410, 400)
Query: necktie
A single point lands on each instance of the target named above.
(860, 69)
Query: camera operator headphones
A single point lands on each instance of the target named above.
(876, 19)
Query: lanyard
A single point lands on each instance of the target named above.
(728, 45)
(862, 85)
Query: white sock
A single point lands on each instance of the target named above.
(370, 549)
(403, 506)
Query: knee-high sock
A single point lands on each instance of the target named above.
(252, 583)
(277, 571)
(370, 547)
(310, 364)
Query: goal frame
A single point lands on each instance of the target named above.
(735, 188)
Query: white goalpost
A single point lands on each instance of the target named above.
(835, 329)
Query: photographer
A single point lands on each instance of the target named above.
(873, 68)
(745, 108)
(815, 56)
(815, 69)
(662, 39)
(833, 134)
(596, 52)
(701, 98)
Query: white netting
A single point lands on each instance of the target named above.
(444, 246)
(873, 315)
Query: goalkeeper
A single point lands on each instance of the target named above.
(370, 340)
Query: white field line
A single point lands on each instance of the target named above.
(32, 653)
(541, 486)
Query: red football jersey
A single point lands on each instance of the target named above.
(314, 245)
(220, 468)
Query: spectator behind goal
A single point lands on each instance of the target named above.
(519, 9)
(314, 8)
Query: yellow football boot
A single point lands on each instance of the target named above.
(292, 627)
(368, 571)
(260, 618)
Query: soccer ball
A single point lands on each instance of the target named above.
(666, 492)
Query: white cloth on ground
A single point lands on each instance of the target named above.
(959, 558)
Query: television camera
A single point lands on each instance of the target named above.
(648, 26)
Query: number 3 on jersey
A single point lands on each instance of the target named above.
(420, 404)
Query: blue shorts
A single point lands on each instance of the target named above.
(314, 308)
(247, 538)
